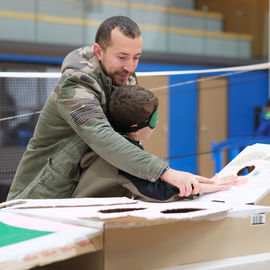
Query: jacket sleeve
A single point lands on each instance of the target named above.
(159, 190)
(81, 109)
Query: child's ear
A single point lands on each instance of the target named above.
(134, 133)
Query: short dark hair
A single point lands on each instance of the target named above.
(127, 27)
(130, 105)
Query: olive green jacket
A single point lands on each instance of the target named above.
(101, 179)
(72, 122)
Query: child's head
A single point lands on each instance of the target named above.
(133, 110)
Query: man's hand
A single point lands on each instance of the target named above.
(189, 183)
(186, 182)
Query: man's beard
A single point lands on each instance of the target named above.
(112, 75)
(122, 73)
(125, 74)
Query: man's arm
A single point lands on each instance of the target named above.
(145, 190)
(187, 183)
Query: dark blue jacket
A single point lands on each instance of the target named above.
(158, 190)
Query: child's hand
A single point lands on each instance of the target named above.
(226, 180)
(210, 188)
(222, 183)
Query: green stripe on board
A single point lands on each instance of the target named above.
(12, 235)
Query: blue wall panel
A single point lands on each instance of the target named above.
(183, 123)
(246, 92)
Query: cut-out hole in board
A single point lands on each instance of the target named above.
(246, 170)
(119, 210)
(181, 210)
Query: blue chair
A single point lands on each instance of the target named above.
(234, 146)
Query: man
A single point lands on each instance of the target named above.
(73, 120)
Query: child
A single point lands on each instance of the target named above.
(133, 112)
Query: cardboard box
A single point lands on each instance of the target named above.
(183, 242)
(27, 241)
(140, 235)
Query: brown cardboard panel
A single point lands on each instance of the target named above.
(158, 143)
(184, 242)
(212, 120)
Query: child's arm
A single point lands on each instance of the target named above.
(150, 191)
